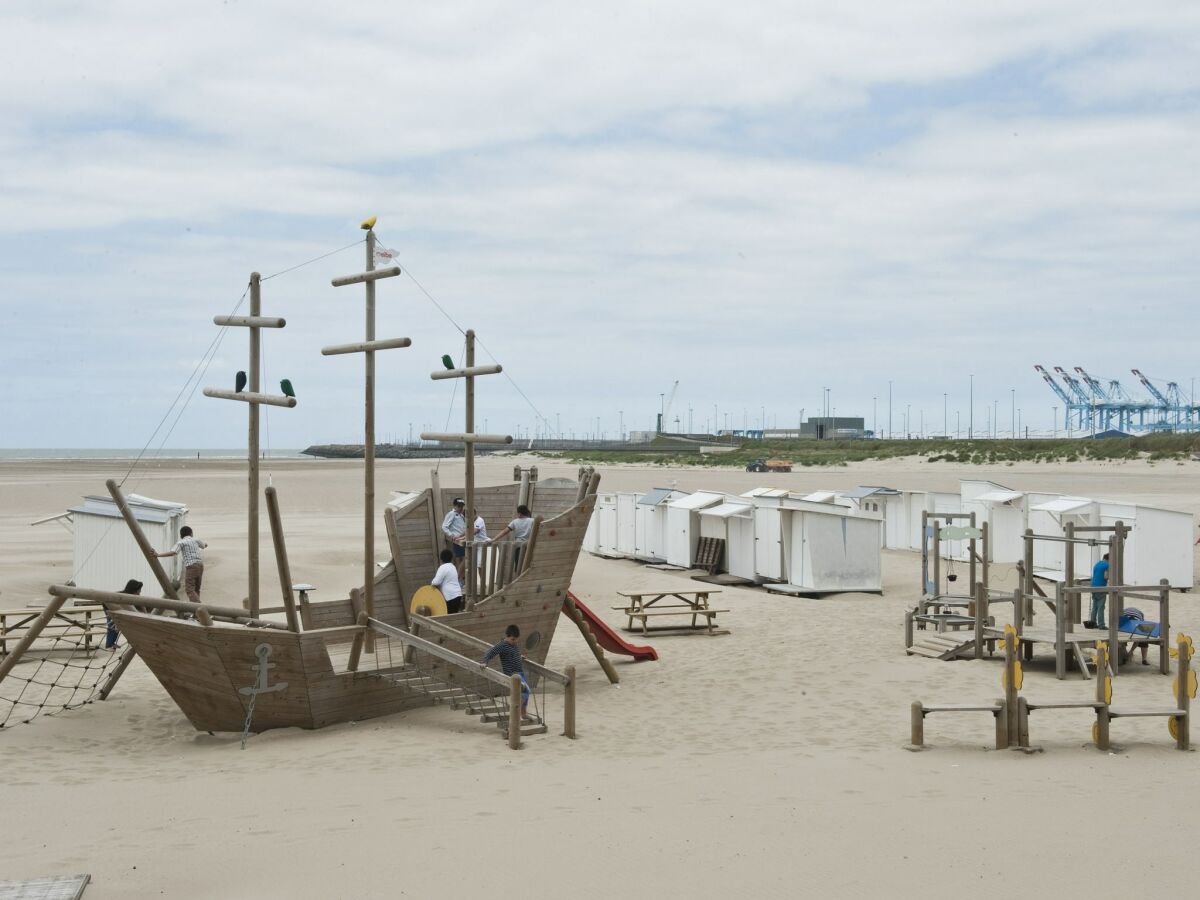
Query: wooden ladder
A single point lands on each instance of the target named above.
(947, 645)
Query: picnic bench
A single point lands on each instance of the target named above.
(79, 624)
(643, 605)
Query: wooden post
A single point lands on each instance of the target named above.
(1164, 627)
(255, 387)
(1069, 576)
(972, 549)
(1183, 723)
(569, 704)
(127, 656)
(531, 545)
(980, 614)
(357, 646)
(514, 713)
(281, 560)
(389, 526)
(1110, 603)
(1010, 686)
(986, 557)
(369, 447)
(908, 628)
(469, 458)
(597, 651)
(1002, 725)
(439, 514)
(924, 556)
(523, 491)
(1027, 581)
(31, 634)
(203, 616)
(1022, 722)
(937, 558)
(1102, 683)
(143, 544)
(1060, 633)
(918, 724)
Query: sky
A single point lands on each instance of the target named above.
(757, 200)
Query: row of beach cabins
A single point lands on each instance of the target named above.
(832, 541)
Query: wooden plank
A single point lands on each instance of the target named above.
(50, 887)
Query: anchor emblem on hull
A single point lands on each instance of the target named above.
(260, 686)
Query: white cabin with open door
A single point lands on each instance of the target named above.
(683, 526)
(733, 523)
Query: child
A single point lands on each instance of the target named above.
(446, 581)
(510, 662)
(132, 586)
(189, 549)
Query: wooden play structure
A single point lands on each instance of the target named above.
(955, 624)
(949, 620)
(231, 669)
(1012, 711)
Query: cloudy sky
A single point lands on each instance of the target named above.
(759, 200)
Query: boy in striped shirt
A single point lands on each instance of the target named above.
(510, 661)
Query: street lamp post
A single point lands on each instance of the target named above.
(1013, 424)
(889, 410)
(946, 414)
(1054, 421)
(971, 413)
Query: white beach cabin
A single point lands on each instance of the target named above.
(1004, 512)
(876, 502)
(626, 524)
(828, 549)
(683, 526)
(1050, 517)
(650, 524)
(732, 522)
(601, 535)
(107, 556)
(1159, 546)
(768, 532)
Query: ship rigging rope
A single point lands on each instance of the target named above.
(192, 384)
(449, 318)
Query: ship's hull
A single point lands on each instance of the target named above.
(209, 670)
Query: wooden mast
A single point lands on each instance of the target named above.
(368, 348)
(469, 439)
(255, 398)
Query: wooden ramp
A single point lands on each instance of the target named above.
(948, 645)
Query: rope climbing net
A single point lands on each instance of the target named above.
(65, 666)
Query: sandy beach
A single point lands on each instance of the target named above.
(765, 762)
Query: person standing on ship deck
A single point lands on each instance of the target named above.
(188, 548)
(454, 527)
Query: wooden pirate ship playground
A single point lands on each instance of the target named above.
(375, 652)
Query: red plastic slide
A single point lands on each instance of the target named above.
(609, 639)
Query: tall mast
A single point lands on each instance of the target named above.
(469, 439)
(368, 348)
(256, 321)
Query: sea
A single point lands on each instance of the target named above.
(26, 453)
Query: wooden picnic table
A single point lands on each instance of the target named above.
(647, 603)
